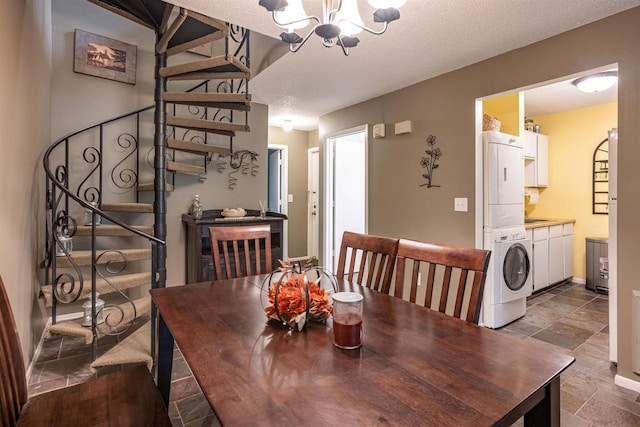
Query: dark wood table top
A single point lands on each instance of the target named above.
(416, 366)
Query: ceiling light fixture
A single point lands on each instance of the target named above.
(596, 82)
(287, 126)
(339, 24)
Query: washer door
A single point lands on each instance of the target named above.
(516, 267)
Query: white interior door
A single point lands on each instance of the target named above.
(313, 189)
(347, 188)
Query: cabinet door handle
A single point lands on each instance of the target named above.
(505, 174)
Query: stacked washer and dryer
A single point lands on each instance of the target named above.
(509, 279)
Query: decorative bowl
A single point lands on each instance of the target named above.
(233, 213)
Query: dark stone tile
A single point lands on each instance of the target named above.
(172, 411)
(602, 412)
(536, 299)
(554, 291)
(599, 305)
(574, 302)
(584, 314)
(581, 294)
(183, 388)
(194, 408)
(564, 335)
(522, 327)
(511, 333)
(42, 387)
(560, 309)
(210, 421)
(540, 316)
(568, 419)
(50, 349)
(570, 402)
(603, 296)
(591, 325)
(176, 422)
(64, 368)
(605, 330)
(180, 369)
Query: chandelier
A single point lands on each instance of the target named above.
(339, 24)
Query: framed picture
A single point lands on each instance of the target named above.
(104, 57)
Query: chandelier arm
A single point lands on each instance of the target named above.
(330, 13)
(285, 24)
(345, 50)
(299, 45)
(368, 30)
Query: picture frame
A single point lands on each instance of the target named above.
(104, 57)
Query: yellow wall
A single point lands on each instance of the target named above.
(504, 108)
(573, 136)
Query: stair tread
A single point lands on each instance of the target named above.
(83, 257)
(196, 30)
(74, 327)
(196, 148)
(178, 167)
(212, 75)
(112, 230)
(136, 348)
(149, 186)
(207, 125)
(221, 64)
(230, 101)
(122, 282)
(127, 207)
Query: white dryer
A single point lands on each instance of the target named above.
(503, 180)
(509, 279)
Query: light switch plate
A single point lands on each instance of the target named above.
(460, 204)
(290, 198)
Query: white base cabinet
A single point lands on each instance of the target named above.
(552, 254)
(556, 255)
(540, 258)
(567, 249)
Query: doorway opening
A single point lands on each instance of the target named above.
(313, 192)
(277, 186)
(575, 124)
(346, 189)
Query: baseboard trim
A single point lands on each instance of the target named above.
(579, 281)
(38, 350)
(627, 383)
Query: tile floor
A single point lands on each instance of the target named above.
(567, 318)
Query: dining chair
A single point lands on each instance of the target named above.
(443, 263)
(375, 257)
(248, 245)
(128, 397)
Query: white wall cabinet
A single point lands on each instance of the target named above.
(536, 159)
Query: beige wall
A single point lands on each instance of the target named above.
(445, 106)
(25, 43)
(313, 139)
(296, 141)
(573, 137)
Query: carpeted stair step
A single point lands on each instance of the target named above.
(127, 207)
(112, 230)
(190, 29)
(231, 101)
(136, 348)
(149, 186)
(221, 128)
(74, 327)
(123, 282)
(196, 148)
(84, 257)
(218, 67)
(177, 167)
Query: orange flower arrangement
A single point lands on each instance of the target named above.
(294, 299)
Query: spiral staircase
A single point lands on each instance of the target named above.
(95, 177)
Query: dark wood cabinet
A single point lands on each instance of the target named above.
(199, 264)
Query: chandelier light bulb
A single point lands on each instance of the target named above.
(293, 12)
(383, 4)
(349, 12)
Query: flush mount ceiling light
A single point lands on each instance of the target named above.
(596, 82)
(287, 126)
(339, 24)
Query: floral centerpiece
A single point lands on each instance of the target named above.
(294, 298)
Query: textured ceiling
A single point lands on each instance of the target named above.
(431, 38)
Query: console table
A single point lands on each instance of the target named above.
(199, 264)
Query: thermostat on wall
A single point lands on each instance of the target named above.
(378, 131)
(403, 127)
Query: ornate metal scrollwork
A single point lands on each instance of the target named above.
(244, 162)
(115, 317)
(91, 156)
(125, 177)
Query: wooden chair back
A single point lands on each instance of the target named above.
(13, 380)
(246, 250)
(467, 261)
(377, 259)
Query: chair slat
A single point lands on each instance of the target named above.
(414, 281)
(467, 260)
(252, 237)
(372, 247)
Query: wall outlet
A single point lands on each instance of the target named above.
(460, 204)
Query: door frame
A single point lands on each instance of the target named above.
(284, 181)
(328, 187)
(309, 215)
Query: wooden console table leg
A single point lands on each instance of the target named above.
(547, 412)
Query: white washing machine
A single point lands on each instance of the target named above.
(509, 279)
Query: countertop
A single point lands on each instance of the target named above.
(546, 222)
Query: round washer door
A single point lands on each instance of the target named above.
(516, 267)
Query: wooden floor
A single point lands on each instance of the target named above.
(567, 318)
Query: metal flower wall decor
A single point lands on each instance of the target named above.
(429, 162)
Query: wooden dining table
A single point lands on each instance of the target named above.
(416, 366)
